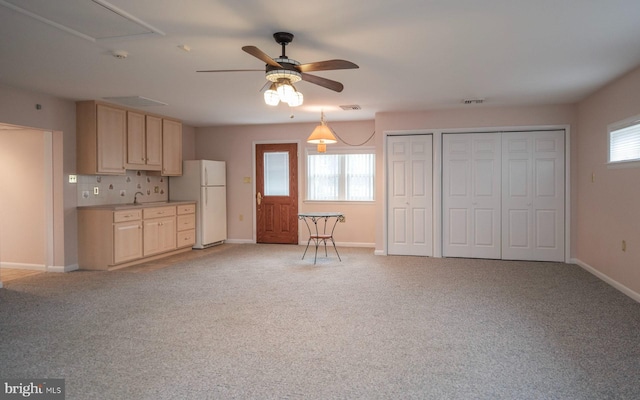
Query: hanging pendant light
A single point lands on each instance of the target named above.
(322, 135)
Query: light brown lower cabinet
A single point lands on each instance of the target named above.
(111, 239)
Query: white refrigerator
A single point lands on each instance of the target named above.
(205, 182)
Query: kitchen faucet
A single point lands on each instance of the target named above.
(135, 197)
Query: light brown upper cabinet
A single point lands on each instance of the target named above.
(144, 142)
(101, 139)
(171, 148)
(112, 139)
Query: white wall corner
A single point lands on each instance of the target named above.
(634, 295)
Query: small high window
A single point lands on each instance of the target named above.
(624, 141)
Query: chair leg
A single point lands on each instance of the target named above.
(306, 248)
(316, 255)
(335, 248)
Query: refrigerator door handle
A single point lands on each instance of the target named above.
(206, 176)
(206, 197)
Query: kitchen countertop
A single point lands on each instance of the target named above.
(127, 206)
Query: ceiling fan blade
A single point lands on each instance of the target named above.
(256, 52)
(324, 82)
(232, 70)
(327, 65)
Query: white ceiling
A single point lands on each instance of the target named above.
(413, 54)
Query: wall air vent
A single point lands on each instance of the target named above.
(351, 107)
(472, 101)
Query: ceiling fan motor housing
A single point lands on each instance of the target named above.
(288, 70)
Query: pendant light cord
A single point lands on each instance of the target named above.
(352, 144)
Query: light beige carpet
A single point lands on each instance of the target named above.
(256, 321)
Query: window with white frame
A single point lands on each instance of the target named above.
(341, 175)
(624, 140)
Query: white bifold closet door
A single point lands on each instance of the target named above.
(471, 195)
(533, 201)
(410, 195)
(503, 195)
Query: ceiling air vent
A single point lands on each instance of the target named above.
(351, 107)
(472, 101)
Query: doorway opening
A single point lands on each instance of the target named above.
(26, 207)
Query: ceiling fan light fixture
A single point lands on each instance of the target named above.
(296, 99)
(277, 74)
(285, 90)
(271, 96)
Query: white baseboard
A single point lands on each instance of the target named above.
(63, 268)
(634, 295)
(240, 241)
(343, 244)
(355, 244)
(32, 267)
(380, 253)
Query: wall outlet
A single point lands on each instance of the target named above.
(96, 190)
(73, 178)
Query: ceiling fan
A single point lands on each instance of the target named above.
(283, 72)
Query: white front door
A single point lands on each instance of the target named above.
(533, 196)
(471, 180)
(410, 195)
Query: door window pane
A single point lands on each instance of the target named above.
(276, 174)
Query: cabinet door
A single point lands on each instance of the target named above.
(136, 154)
(154, 143)
(171, 148)
(127, 238)
(111, 132)
(159, 235)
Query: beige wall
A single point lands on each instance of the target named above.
(188, 142)
(234, 144)
(609, 207)
(22, 204)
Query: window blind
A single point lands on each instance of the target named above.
(624, 143)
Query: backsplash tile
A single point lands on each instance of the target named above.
(120, 189)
